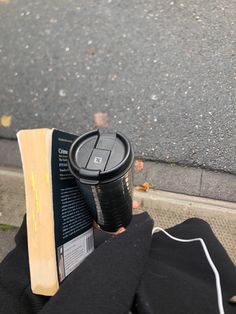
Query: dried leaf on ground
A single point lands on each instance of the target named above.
(5, 121)
(138, 165)
(143, 187)
(91, 51)
(101, 119)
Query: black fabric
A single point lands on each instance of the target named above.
(100, 284)
(178, 277)
(15, 293)
(150, 274)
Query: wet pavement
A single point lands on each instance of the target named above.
(163, 72)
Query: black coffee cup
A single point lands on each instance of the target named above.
(102, 163)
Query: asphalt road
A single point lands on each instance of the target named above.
(163, 72)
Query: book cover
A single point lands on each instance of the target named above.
(59, 224)
(72, 219)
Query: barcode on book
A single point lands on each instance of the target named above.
(89, 243)
(73, 252)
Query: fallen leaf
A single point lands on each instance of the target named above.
(91, 51)
(6, 121)
(143, 187)
(101, 119)
(138, 165)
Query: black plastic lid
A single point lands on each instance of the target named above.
(100, 156)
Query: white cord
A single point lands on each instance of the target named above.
(216, 273)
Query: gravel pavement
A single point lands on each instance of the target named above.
(163, 72)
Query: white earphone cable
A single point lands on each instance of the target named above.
(213, 267)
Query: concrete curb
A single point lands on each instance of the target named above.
(162, 176)
(170, 201)
(174, 201)
(166, 208)
(12, 199)
(188, 180)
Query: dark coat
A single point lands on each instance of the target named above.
(131, 272)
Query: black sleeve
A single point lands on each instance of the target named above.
(15, 293)
(104, 283)
(171, 277)
(178, 278)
